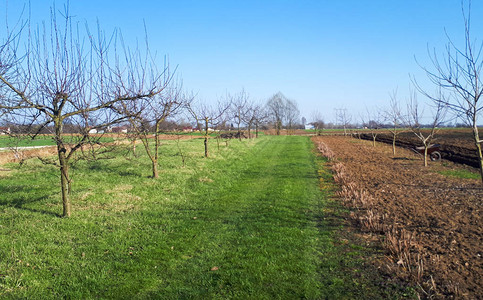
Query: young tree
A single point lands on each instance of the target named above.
(64, 75)
(147, 116)
(260, 116)
(239, 107)
(413, 121)
(372, 121)
(343, 119)
(394, 115)
(460, 75)
(248, 116)
(317, 122)
(207, 115)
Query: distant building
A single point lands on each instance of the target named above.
(119, 129)
(4, 130)
(309, 126)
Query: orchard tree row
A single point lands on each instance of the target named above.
(60, 78)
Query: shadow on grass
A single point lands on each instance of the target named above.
(20, 201)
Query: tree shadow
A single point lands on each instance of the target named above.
(404, 158)
(21, 202)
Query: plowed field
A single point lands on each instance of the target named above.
(441, 213)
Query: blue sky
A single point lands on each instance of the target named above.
(322, 54)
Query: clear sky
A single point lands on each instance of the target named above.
(322, 54)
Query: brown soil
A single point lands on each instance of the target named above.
(441, 212)
(17, 156)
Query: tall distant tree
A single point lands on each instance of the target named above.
(292, 114)
(276, 109)
(65, 74)
(282, 110)
(460, 75)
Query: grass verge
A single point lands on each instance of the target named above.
(461, 173)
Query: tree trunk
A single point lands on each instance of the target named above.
(426, 155)
(154, 161)
(155, 168)
(374, 140)
(64, 169)
(64, 181)
(481, 161)
(256, 130)
(156, 150)
(206, 146)
(206, 137)
(478, 149)
(394, 144)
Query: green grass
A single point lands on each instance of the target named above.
(461, 173)
(40, 140)
(254, 210)
(6, 141)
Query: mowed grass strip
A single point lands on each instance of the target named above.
(256, 236)
(245, 223)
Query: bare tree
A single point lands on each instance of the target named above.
(292, 114)
(343, 118)
(249, 115)
(413, 121)
(239, 106)
(460, 75)
(207, 115)
(276, 109)
(65, 74)
(282, 110)
(372, 121)
(317, 122)
(394, 115)
(147, 116)
(260, 116)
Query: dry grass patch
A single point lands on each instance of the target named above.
(5, 172)
(120, 188)
(205, 179)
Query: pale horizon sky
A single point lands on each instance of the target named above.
(324, 55)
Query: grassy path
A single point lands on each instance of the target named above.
(249, 223)
(254, 222)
